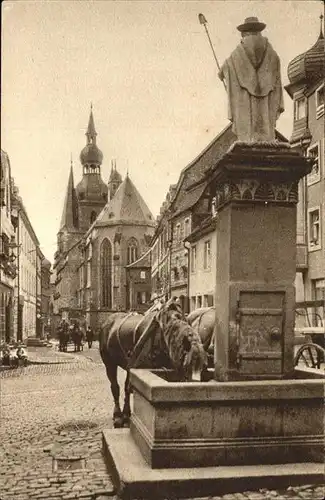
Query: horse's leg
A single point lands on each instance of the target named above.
(111, 370)
(126, 408)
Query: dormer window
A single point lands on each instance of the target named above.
(300, 108)
(320, 101)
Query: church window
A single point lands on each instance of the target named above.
(106, 273)
(132, 251)
(93, 216)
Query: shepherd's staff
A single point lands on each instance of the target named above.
(205, 22)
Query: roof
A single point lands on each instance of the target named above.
(194, 173)
(92, 187)
(309, 66)
(126, 207)
(69, 214)
(91, 125)
(193, 181)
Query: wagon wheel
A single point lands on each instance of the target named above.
(312, 355)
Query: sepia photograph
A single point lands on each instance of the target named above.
(162, 250)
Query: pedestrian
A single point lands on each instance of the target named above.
(89, 336)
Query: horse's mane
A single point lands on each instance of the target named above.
(184, 342)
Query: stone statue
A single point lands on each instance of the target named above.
(253, 81)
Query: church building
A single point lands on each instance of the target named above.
(103, 228)
(120, 235)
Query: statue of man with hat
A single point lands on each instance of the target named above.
(253, 80)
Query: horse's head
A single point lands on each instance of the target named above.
(184, 344)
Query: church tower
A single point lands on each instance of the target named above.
(91, 190)
(115, 180)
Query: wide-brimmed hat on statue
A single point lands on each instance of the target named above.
(251, 24)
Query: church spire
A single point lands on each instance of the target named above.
(115, 180)
(69, 218)
(91, 131)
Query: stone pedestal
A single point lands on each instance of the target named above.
(256, 191)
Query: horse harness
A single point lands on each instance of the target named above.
(127, 355)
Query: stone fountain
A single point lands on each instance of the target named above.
(258, 422)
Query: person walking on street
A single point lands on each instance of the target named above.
(89, 336)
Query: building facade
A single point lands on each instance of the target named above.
(161, 249)
(119, 236)
(306, 74)
(46, 296)
(202, 256)
(27, 293)
(138, 284)
(8, 266)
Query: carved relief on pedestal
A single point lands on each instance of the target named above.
(251, 189)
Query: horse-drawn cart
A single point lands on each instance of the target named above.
(310, 334)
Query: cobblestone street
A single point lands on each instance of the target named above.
(52, 415)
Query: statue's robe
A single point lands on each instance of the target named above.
(255, 96)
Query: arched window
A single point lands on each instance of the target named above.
(93, 216)
(106, 273)
(132, 250)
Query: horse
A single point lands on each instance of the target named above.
(173, 343)
(203, 321)
(63, 334)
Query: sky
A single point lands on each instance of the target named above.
(149, 72)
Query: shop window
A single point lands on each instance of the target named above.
(141, 298)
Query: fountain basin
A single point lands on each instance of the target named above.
(202, 424)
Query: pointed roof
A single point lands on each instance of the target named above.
(69, 214)
(91, 153)
(115, 176)
(127, 207)
(309, 66)
(91, 131)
